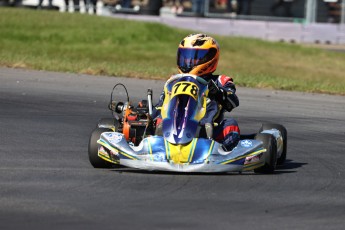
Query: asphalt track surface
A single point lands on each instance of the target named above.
(47, 182)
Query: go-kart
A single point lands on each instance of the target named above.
(132, 138)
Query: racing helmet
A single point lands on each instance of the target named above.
(198, 54)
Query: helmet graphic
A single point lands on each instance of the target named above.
(198, 54)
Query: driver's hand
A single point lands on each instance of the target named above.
(213, 90)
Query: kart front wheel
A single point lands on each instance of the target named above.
(270, 144)
(281, 159)
(95, 160)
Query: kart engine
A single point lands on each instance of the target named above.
(134, 121)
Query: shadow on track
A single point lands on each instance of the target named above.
(288, 167)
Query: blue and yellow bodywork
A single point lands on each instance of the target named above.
(200, 155)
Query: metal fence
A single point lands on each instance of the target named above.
(304, 11)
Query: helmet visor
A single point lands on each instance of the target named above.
(188, 58)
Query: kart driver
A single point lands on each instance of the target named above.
(198, 54)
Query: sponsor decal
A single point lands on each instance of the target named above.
(103, 152)
(114, 138)
(246, 143)
(253, 159)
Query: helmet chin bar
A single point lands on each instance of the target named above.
(186, 69)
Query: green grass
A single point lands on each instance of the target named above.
(105, 46)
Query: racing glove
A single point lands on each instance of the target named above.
(219, 94)
(213, 90)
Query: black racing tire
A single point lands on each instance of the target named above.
(95, 160)
(283, 132)
(269, 143)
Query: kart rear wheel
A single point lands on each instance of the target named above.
(281, 159)
(95, 160)
(269, 143)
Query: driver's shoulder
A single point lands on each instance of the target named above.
(224, 79)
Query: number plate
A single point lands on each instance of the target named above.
(185, 87)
